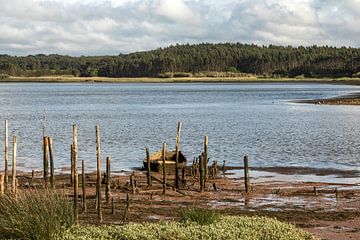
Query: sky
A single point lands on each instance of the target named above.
(110, 27)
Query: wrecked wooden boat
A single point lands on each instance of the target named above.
(170, 158)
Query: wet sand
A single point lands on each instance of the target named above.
(331, 210)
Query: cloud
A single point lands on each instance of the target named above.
(89, 27)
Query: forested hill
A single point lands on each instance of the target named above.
(195, 60)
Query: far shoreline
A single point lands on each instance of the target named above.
(254, 79)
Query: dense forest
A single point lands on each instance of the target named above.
(195, 60)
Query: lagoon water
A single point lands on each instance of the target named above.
(254, 119)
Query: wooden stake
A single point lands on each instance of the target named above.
(32, 178)
(246, 174)
(6, 154)
(206, 144)
(14, 166)
(127, 208)
(46, 160)
(164, 167)
(72, 176)
(98, 178)
(112, 206)
(177, 149)
(51, 151)
(1, 185)
(148, 168)
(183, 174)
(107, 189)
(202, 172)
(83, 184)
(76, 176)
(223, 168)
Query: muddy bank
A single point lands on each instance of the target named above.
(351, 99)
(330, 210)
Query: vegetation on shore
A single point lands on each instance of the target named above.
(206, 60)
(227, 228)
(35, 215)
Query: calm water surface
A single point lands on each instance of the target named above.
(253, 119)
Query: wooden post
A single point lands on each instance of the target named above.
(98, 178)
(177, 149)
(45, 160)
(164, 167)
(1, 185)
(216, 169)
(246, 174)
(51, 153)
(148, 168)
(6, 154)
(223, 168)
(202, 172)
(206, 143)
(14, 166)
(107, 189)
(76, 176)
(72, 175)
(32, 178)
(127, 208)
(83, 184)
(183, 173)
(112, 206)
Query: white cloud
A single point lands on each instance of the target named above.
(89, 27)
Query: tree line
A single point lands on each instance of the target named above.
(200, 59)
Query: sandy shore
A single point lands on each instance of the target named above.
(350, 99)
(331, 210)
(248, 79)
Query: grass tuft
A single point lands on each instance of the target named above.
(35, 215)
(200, 216)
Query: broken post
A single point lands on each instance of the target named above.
(83, 184)
(164, 167)
(148, 168)
(246, 174)
(107, 188)
(177, 149)
(14, 166)
(202, 172)
(132, 184)
(1, 185)
(98, 178)
(6, 180)
(72, 175)
(45, 160)
(76, 177)
(51, 151)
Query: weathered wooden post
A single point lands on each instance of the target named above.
(98, 178)
(148, 168)
(246, 174)
(127, 208)
(14, 166)
(76, 175)
(202, 172)
(183, 173)
(72, 175)
(83, 184)
(206, 156)
(52, 173)
(45, 160)
(223, 168)
(177, 149)
(112, 206)
(107, 188)
(164, 167)
(32, 178)
(6, 180)
(1, 185)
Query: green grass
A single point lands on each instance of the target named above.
(226, 228)
(199, 216)
(35, 215)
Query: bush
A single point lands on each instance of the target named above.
(227, 228)
(35, 215)
(200, 216)
(182, 74)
